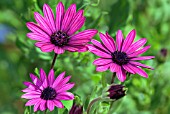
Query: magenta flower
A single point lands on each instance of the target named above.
(122, 56)
(58, 33)
(46, 92)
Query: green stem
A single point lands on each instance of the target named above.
(45, 112)
(113, 77)
(53, 62)
(91, 104)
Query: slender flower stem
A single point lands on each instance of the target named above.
(112, 81)
(91, 104)
(54, 59)
(45, 112)
(113, 77)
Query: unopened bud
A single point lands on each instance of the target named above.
(76, 109)
(116, 92)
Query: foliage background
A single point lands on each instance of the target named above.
(19, 56)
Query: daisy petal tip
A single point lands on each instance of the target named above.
(60, 4)
(45, 5)
(119, 31)
(133, 30)
(28, 24)
(122, 79)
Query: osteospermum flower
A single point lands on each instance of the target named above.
(46, 92)
(120, 56)
(58, 33)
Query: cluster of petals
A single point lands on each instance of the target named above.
(120, 56)
(47, 92)
(59, 34)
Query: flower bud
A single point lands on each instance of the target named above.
(164, 52)
(76, 109)
(162, 55)
(116, 92)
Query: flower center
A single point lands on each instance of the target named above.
(59, 38)
(48, 94)
(120, 58)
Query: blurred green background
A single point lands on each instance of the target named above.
(19, 56)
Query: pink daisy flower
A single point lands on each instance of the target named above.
(58, 33)
(120, 56)
(46, 92)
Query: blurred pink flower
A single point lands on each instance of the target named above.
(46, 92)
(58, 33)
(120, 56)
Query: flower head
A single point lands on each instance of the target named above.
(120, 56)
(76, 109)
(58, 33)
(46, 92)
(116, 92)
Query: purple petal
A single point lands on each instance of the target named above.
(32, 102)
(58, 50)
(98, 52)
(30, 85)
(141, 65)
(28, 90)
(111, 40)
(141, 51)
(38, 37)
(139, 71)
(65, 87)
(102, 61)
(102, 68)
(49, 16)
(40, 44)
(59, 15)
(84, 35)
(47, 47)
(36, 29)
(71, 11)
(119, 40)
(36, 106)
(58, 104)
(128, 68)
(50, 105)
(35, 80)
(114, 67)
(99, 45)
(30, 96)
(65, 96)
(42, 75)
(58, 80)
(107, 42)
(79, 42)
(42, 22)
(70, 48)
(45, 84)
(75, 22)
(143, 58)
(128, 41)
(77, 26)
(121, 75)
(51, 77)
(43, 105)
(76, 48)
(136, 45)
(82, 49)
(65, 80)
(27, 83)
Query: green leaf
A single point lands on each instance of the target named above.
(68, 104)
(36, 71)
